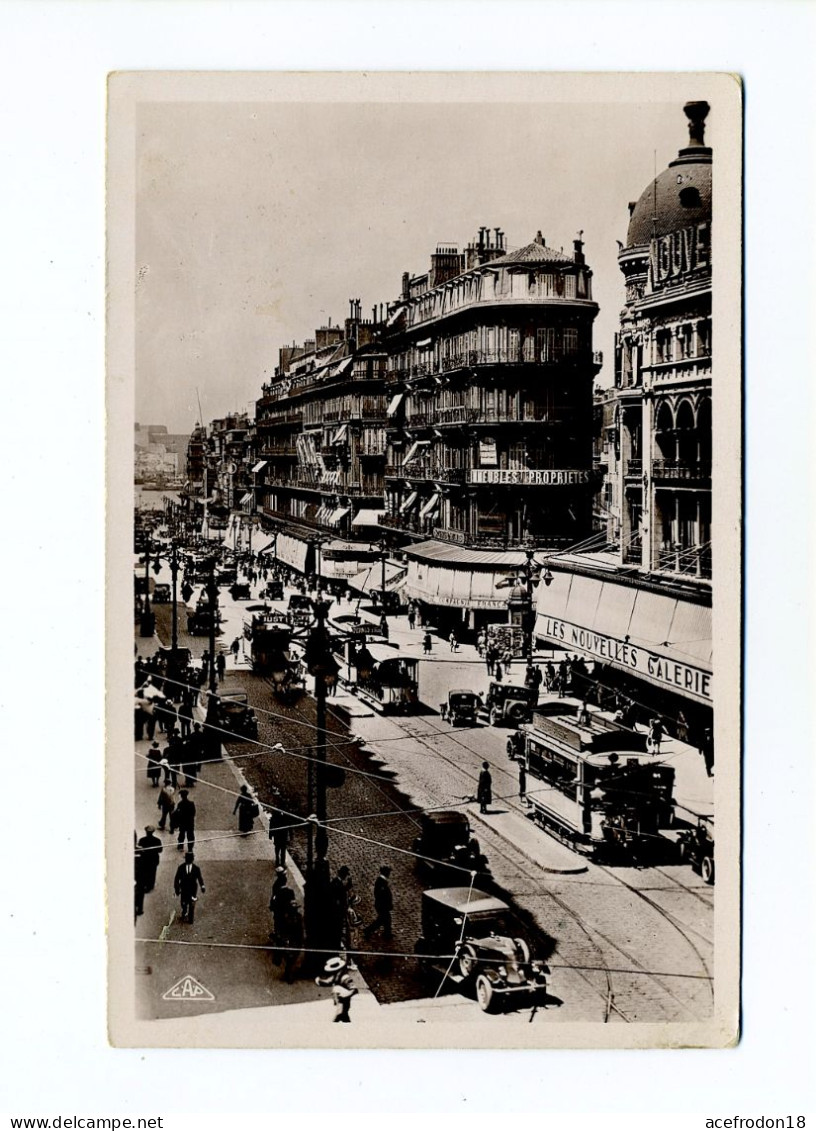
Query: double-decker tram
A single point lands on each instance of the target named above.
(593, 784)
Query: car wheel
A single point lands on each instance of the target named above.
(707, 869)
(484, 993)
(467, 962)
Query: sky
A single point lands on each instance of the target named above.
(256, 222)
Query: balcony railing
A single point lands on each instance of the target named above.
(689, 562)
(634, 468)
(680, 470)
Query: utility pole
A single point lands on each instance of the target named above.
(174, 569)
(212, 721)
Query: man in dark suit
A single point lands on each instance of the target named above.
(151, 848)
(186, 884)
(383, 904)
(183, 819)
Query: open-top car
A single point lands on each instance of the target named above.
(472, 938)
(236, 716)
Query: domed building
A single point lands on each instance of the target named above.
(663, 368)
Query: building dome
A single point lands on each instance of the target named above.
(681, 195)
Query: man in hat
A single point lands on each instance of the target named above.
(151, 849)
(184, 820)
(383, 905)
(187, 881)
(166, 803)
(280, 828)
(484, 790)
(336, 975)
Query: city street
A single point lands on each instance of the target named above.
(624, 944)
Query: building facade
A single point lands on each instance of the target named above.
(321, 446)
(663, 367)
(642, 609)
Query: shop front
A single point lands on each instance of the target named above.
(457, 587)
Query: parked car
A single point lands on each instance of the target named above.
(241, 591)
(696, 847)
(510, 704)
(446, 850)
(463, 707)
(490, 958)
(162, 594)
(236, 716)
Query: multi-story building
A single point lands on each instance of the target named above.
(663, 367)
(321, 441)
(644, 611)
(489, 439)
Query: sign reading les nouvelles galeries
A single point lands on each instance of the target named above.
(665, 670)
(680, 253)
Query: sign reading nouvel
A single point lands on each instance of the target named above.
(665, 670)
(546, 477)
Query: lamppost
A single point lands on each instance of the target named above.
(520, 603)
(212, 719)
(322, 665)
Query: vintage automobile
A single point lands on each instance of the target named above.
(510, 704)
(226, 576)
(446, 850)
(162, 594)
(300, 611)
(696, 847)
(236, 716)
(240, 591)
(463, 707)
(274, 591)
(478, 932)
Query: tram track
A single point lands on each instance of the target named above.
(677, 925)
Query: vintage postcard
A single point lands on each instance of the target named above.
(424, 516)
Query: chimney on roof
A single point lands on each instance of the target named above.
(406, 285)
(539, 239)
(696, 112)
(578, 248)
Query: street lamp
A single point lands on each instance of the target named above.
(321, 664)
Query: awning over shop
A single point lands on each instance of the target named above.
(371, 577)
(293, 551)
(425, 344)
(661, 637)
(454, 585)
(414, 449)
(409, 502)
(434, 551)
(394, 404)
(431, 506)
(366, 518)
(247, 498)
(337, 515)
(259, 466)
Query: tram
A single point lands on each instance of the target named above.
(593, 784)
(380, 676)
(270, 638)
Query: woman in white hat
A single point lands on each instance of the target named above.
(336, 975)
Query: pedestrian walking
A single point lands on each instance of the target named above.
(341, 893)
(221, 665)
(549, 675)
(384, 630)
(426, 643)
(522, 782)
(497, 671)
(508, 660)
(151, 850)
(443, 711)
(289, 932)
(154, 769)
(490, 659)
(336, 974)
(484, 791)
(706, 748)
(411, 617)
(655, 734)
(166, 803)
(183, 821)
(279, 883)
(454, 643)
(140, 717)
(247, 809)
(383, 905)
(188, 880)
(280, 831)
(682, 728)
(481, 640)
(185, 718)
